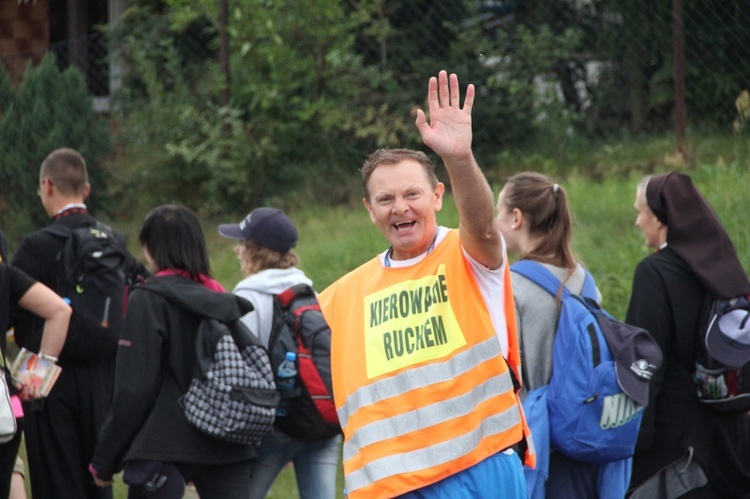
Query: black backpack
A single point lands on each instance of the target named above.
(92, 279)
(232, 396)
(299, 327)
(722, 373)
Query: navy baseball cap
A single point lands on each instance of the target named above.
(268, 227)
(637, 357)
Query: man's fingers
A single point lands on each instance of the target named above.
(421, 119)
(455, 96)
(469, 101)
(432, 95)
(444, 92)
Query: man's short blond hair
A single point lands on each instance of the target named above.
(66, 169)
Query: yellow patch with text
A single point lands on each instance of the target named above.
(408, 323)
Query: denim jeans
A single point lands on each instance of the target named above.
(315, 465)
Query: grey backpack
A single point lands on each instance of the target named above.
(232, 395)
(722, 356)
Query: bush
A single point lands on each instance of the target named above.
(51, 109)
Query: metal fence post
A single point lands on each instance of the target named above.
(678, 53)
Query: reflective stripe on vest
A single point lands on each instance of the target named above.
(425, 417)
(417, 378)
(488, 409)
(414, 417)
(432, 455)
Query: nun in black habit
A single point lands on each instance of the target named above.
(684, 449)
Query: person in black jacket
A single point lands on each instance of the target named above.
(19, 289)
(146, 431)
(684, 448)
(61, 431)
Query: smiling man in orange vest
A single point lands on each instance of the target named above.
(421, 333)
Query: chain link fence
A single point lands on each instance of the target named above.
(235, 101)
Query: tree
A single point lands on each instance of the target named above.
(51, 109)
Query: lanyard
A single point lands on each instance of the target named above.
(387, 258)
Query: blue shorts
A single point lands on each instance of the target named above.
(501, 472)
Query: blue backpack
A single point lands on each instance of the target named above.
(591, 417)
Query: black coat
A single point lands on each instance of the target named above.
(669, 302)
(155, 363)
(61, 431)
(13, 285)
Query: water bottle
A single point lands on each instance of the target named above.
(285, 382)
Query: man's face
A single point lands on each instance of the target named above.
(647, 222)
(403, 204)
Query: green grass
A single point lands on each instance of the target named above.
(336, 240)
(601, 188)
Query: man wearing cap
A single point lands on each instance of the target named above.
(264, 249)
(685, 448)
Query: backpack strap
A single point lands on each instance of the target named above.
(537, 273)
(288, 295)
(58, 230)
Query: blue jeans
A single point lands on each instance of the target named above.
(315, 465)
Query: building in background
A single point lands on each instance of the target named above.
(29, 29)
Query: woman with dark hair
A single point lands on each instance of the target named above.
(534, 218)
(146, 431)
(684, 449)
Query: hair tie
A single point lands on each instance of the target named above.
(555, 188)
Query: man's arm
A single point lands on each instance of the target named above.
(449, 134)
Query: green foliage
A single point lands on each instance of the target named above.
(51, 109)
(180, 144)
(335, 240)
(289, 125)
(7, 92)
(316, 85)
(295, 76)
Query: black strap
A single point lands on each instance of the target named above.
(596, 352)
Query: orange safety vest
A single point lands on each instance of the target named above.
(420, 384)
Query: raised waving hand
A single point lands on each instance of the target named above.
(448, 132)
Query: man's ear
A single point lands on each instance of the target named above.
(86, 190)
(47, 187)
(369, 209)
(439, 192)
